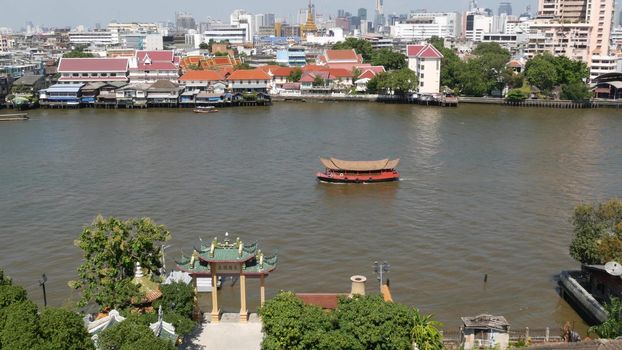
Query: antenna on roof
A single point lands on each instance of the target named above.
(613, 268)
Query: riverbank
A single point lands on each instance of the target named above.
(370, 98)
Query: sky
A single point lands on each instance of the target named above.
(59, 13)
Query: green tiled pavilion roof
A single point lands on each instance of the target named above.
(192, 267)
(259, 268)
(227, 252)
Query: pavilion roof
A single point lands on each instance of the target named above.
(264, 265)
(227, 251)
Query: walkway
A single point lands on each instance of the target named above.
(229, 334)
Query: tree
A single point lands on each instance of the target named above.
(204, 46)
(576, 91)
(111, 248)
(400, 81)
(375, 323)
(243, 66)
(295, 75)
(597, 230)
(569, 71)
(78, 52)
(63, 330)
(612, 327)
(318, 81)
(361, 46)
(541, 72)
(515, 95)
(20, 329)
(426, 333)
(131, 335)
(472, 79)
(484, 49)
(388, 58)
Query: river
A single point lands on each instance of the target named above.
(484, 190)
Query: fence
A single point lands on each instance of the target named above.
(453, 338)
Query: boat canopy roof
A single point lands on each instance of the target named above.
(368, 165)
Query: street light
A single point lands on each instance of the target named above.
(381, 269)
(42, 281)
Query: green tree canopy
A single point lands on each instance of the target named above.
(61, 329)
(204, 46)
(576, 91)
(111, 248)
(361, 46)
(78, 52)
(612, 327)
(473, 79)
(131, 335)
(295, 75)
(541, 72)
(358, 323)
(597, 233)
(400, 82)
(318, 81)
(391, 60)
(516, 95)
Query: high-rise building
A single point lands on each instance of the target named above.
(184, 21)
(380, 22)
(269, 19)
(362, 13)
(505, 7)
(341, 13)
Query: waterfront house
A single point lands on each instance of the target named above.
(425, 61)
(340, 79)
(90, 91)
(4, 88)
(200, 80)
(108, 94)
(87, 70)
(151, 66)
(485, 331)
(133, 95)
(205, 98)
(366, 75)
(163, 93)
(280, 76)
(62, 95)
(25, 90)
(315, 82)
(254, 80)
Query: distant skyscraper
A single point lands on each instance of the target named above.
(341, 13)
(620, 20)
(362, 14)
(379, 14)
(184, 21)
(269, 19)
(505, 7)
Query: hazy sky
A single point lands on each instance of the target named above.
(14, 13)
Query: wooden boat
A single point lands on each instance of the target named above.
(346, 171)
(13, 117)
(208, 109)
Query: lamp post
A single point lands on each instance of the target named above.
(381, 269)
(42, 281)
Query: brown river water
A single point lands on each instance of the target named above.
(484, 190)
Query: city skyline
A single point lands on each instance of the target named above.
(73, 13)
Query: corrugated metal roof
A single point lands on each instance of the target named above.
(65, 88)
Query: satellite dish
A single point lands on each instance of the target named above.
(613, 268)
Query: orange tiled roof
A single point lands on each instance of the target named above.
(202, 75)
(269, 67)
(342, 55)
(340, 73)
(314, 68)
(282, 71)
(255, 74)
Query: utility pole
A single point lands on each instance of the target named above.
(42, 281)
(381, 269)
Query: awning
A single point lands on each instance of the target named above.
(372, 165)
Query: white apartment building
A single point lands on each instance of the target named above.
(616, 39)
(235, 35)
(477, 24)
(425, 61)
(579, 29)
(96, 38)
(134, 27)
(421, 26)
(603, 64)
(142, 41)
(241, 19)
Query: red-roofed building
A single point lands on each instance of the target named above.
(200, 80)
(151, 66)
(366, 75)
(255, 80)
(425, 61)
(280, 75)
(90, 70)
(345, 59)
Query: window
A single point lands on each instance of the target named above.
(421, 84)
(421, 75)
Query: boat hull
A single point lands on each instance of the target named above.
(348, 178)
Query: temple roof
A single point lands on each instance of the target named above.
(227, 251)
(372, 165)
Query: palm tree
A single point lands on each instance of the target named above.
(425, 333)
